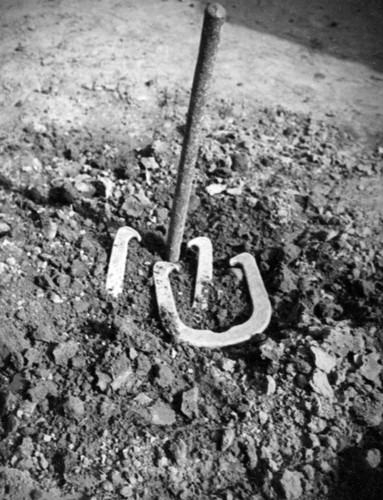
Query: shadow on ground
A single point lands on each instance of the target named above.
(335, 28)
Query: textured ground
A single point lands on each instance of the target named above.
(97, 401)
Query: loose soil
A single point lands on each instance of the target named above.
(97, 400)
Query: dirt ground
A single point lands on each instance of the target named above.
(97, 401)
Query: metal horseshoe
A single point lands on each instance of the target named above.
(256, 324)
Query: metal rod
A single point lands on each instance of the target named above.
(213, 20)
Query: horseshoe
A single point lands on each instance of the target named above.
(256, 324)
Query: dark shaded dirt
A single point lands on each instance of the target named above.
(97, 402)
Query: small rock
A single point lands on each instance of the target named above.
(132, 353)
(122, 379)
(4, 229)
(103, 380)
(55, 298)
(143, 399)
(163, 375)
(321, 385)
(64, 352)
(309, 472)
(189, 406)
(291, 485)
(271, 385)
(373, 458)
(116, 478)
(107, 486)
(263, 417)
(324, 361)
(228, 437)
(251, 453)
(271, 350)
(126, 492)
(240, 162)
(178, 450)
(161, 414)
(228, 365)
(75, 406)
(78, 269)
(371, 366)
(214, 189)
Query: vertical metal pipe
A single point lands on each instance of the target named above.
(213, 20)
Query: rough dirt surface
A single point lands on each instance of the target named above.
(96, 400)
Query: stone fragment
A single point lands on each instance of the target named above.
(271, 385)
(251, 453)
(162, 414)
(164, 376)
(291, 485)
(271, 350)
(323, 360)
(108, 486)
(103, 380)
(75, 406)
(228, 438)
(371, 367)
(309, 472)
(126, 492)
(4, 229)
(122, 379)
(189, 405)
(263, 417)
(321, 385)
(228, 365)
(143, 399)
(78, 269)
(373, 458)
(178, 450)
(64, 352)
(214, 189)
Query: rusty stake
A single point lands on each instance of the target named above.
(213, 21)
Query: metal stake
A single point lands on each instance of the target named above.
(213, 21)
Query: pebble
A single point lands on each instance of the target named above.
(164, 376)
(373, 458)
(291, 485)
(64, 352)
(324, 361)
(228, 438)
(179, 450)
(263, 417)
(161, 414)
(107, 486)
(126, 492)
(4, 229)
(321, 385)
(189, 406)
(75, 406)
(271, 385)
